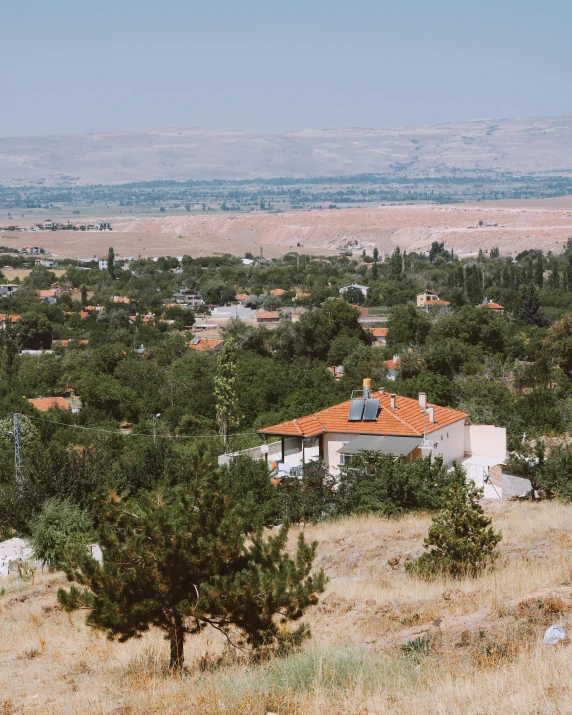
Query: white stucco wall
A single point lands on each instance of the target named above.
(332, 442)
(449, 441)
(485, 439)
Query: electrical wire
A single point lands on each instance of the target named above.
(140, 434)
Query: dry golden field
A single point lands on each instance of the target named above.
(474, 647)
(514, 226)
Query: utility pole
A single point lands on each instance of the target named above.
(155, 426)
(19, 469)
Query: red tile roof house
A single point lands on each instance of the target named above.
(429, 299)
(395, 425)
(206, 344)
(392, 366)
(495, 307)
(266, 317)
(379, 336)
(43, 404)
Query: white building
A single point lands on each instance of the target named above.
(364, 290)
(394, 425)
(7, 290)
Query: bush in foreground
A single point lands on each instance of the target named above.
(60, 533)
(461, 540)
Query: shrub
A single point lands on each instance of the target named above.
(60, 532)
(461, 539)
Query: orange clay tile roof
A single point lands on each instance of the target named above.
(83, 314)
(378, 332)
(9, 318)
(205, 344)
(277, 292)
(491, 305)
(407, 419)
(241, 296)
(121, 299)
(267, 315)
(49, 293)
(46, 403)
(440, 302)
(392, 364)
(302, 295)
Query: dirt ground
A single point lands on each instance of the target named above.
(382, 643)
(545, 224)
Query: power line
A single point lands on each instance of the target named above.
(140, 434)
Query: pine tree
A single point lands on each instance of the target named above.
(461, 540)
(182, 559)
(529, 311)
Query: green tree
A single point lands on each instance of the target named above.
(461, 539)
(60, 532)
(529, 311)
(184, 559)
(225, 391)
(376, 254)
(396, 264)
(407, 325)
(111, 261)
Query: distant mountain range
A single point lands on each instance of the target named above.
(540, 145)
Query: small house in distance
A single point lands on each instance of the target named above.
(202, 344)
(364, 290)
(337, 371)
(392, 366)
(379, 336)
(43, 404)
(8, 290)
(267, 317)
(188, 298)
(429, 299)
(495, 307)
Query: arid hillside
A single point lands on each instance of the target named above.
(533, 145)
(513, 227)
(383, 643)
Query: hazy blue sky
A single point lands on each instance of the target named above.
(73, 66)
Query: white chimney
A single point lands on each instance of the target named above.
(396, 358)
(431, 413)
(392, 397)
(423, 400)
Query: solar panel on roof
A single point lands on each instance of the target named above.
(370, 412)
(356, 410)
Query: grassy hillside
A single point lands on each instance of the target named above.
(382, 642)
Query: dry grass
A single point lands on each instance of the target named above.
(470, 646)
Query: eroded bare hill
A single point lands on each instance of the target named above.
(508, 145)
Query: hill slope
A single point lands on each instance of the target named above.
(471, 646)
(508, 145)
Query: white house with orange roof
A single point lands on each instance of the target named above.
(491, 305)
(428, 299)
(394, 425)
(379, 336)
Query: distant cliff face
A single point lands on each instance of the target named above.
(542, 145)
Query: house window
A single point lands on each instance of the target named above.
(345, 459)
